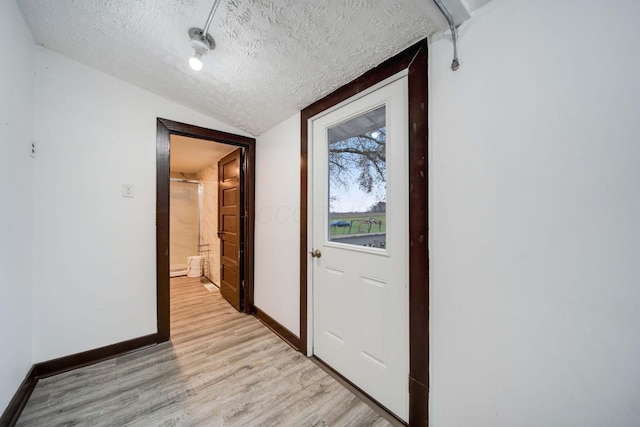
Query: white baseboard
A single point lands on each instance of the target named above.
(177, 273)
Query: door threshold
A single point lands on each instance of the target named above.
(377, 407)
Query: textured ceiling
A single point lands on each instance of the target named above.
(272, 57)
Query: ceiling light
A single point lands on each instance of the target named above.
(195, 61)
(375, 134)
(201, 45)
(201, 41)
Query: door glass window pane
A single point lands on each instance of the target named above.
(358, 180)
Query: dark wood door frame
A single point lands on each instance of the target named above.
(166, 128)
(415, 60)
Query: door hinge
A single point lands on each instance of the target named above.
(242, 285)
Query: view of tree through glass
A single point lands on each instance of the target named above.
(357, 180)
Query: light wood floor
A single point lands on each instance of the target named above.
(221, 368)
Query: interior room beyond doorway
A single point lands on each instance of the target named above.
(194, 206)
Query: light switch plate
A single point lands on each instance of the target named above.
(128, 190)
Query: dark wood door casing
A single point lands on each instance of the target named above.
(413, 59)
(166, 128)
(230, 227)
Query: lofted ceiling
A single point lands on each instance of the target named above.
(271, 57)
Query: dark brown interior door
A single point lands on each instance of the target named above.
(229, 231)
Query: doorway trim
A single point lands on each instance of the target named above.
(413, 59)
(166, 128)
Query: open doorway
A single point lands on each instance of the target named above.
(194, 243)
(178, 165)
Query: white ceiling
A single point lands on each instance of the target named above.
(190, 155)
(272, 57)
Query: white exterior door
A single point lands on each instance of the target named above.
(360, 267)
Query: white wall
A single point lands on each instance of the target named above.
(95, 269)
(16, 181)
(277, 239)
(535, 217)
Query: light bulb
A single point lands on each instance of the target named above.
(195, 61)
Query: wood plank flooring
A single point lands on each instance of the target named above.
(221, 368)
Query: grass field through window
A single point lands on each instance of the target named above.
(360, 223)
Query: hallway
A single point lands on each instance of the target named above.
(221, 368)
